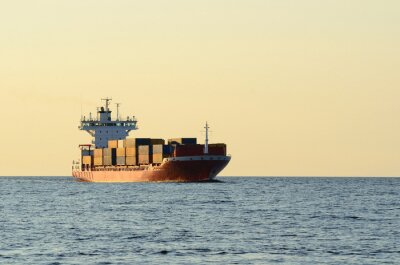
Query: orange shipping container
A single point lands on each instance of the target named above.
(134, 142)
(98, 161)
(120, 152)
(87, 160)
(157, 158)
(112, 143)
(98, 152)
(107, 152)
(144, 150)
(121, 161)
(158, 149)
(130, 151)
(130, 161)
(144, 159)
(107, 161)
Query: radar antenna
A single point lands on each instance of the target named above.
(118, 104)
(107, 102)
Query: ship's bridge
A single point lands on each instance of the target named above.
(104, 128)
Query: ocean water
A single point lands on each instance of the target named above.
(241, 220)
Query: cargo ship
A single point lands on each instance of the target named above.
(113, 157)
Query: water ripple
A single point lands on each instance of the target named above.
(234, 221)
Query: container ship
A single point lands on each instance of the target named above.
(112, 157)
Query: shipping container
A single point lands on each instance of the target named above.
(98, 152)
(182, 141)
(144, 159)
(98, 161)
(130, 151)
(130, 160)
(121, 160)
(158, 158)
(157, 141)
(217, 149)
(189, 150)
(158, 149)
(110, 152)
(217, 145)
(110, 161)
(106, 151)
(135, 142)
(107, 161)
(144, 150)
(120, 152)
(160, 152)
(168, 149)
(112, 143)
(87, 160)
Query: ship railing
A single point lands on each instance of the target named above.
(98, 123)
(114, 169)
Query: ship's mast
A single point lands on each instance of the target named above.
(117, 110)
(107, 102)
(206, 142)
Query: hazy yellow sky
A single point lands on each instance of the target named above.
(293, 87)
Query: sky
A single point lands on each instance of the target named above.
(294, 88)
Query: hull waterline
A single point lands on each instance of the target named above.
(179, 169)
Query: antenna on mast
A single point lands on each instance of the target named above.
(107, 102)
(117, 110)
(206, 142)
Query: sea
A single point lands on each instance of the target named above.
(237, 220)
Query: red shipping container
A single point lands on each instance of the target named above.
(189, 150)
(217, 150)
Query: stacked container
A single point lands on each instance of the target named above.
(130, 153)
(112, 143)
(86, 162)
(217, 149)
(158, 153)
(121, 156)
(157, 141)
(107, 160)
(109, 156)
(144, 154)
(98, 157)
(182, 141)
(189, 150)
(135, 142)
(132, 149)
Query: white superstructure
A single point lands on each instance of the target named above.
(104, 128)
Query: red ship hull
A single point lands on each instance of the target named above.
(177, 169)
